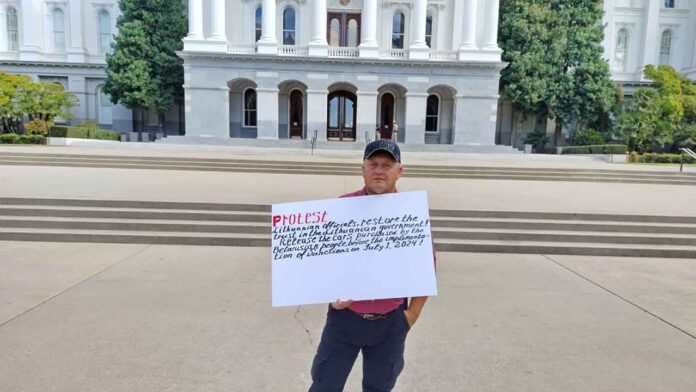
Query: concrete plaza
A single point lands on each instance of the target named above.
(131, 317)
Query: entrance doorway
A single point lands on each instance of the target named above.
(341, 116)
(296, 114)
(386, 123)
(343, 29)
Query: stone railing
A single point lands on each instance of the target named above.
(443, 55)
(241, 48)
(394, 54)
(336, 51)
(292, 50)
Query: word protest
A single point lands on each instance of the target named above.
(358, 248)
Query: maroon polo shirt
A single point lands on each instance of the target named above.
(379, 306)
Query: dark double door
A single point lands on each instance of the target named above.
(341, 116)
(343, 29)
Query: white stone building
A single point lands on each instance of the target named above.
(65, 41)
(636, 33)
(642, 32)
(420, 71)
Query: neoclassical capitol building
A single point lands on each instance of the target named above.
(417, 71)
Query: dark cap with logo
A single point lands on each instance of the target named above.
(383, 145)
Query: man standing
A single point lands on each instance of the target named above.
(378, 328)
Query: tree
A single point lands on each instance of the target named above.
(663, 115)
(20, 96)
(143, 71)
(556, 68)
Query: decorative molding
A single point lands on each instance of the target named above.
(439, 4)
(352, 5)
(389, 3)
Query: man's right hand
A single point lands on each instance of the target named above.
(340, 305)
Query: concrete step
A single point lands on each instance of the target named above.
(261, 218)
(487, 246)
(334, 168)
(218, 224)
(113, 226)
(47, 203)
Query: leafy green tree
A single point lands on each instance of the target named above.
(20, 96)
(663, 115)
(556, 68)
(143, 70)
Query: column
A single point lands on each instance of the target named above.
(368, 36)
(418, 49)
(268, 44)
(316, 116)
(651, 40)
(3, 28)
(415, 118)
(318, 46)
(491, 42)
(31, 40)
(76, 51)
(78, 86)
(218, 19)
(195, 19)
(469, 33)
(267, 113)
(367, 115)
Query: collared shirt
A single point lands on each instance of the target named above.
(380, 306)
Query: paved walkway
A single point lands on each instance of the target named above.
(124, 317)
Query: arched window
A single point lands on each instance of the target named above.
(258, 23)
(12, 30)
(250, 107)
(621, 52)
(352, 33)
(429, 30)
(289, 26)
(398, 28)
(105, 107)
(665, 47)
(335, 32)
(431, 113)
(669, 3)
(104, 32)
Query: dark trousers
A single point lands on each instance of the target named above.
(345, 334)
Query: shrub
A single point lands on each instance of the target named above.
(84, 131)
(664, 158)
(107, 135)
(8, 138)
(596, 149)
(38, 127)
(536, 139)
(588, 137)
(31, 139)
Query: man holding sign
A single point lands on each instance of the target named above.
(378, 327)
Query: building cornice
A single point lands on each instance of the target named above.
(499, 65)
(52, 64)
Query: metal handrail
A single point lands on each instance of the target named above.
(314, 140)
(687, 151)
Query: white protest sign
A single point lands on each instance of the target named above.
(367, 247)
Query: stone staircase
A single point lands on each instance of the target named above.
(211, 224)
(346, 169)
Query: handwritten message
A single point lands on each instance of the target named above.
(367, 235)
(359, 248)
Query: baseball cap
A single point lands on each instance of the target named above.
(383, 145)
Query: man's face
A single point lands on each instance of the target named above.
(380, 172)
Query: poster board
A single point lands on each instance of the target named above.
(368, 247)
